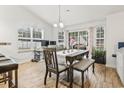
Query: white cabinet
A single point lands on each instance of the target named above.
(120, 64)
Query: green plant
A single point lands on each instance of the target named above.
(98, 53)
(99, 56)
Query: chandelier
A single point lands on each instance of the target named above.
(60, 24)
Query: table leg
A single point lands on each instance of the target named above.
(71, 76)
(93, 68)
(82, 73)
(67, 75)
(16, 78)
(10, 79)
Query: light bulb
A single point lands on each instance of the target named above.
(55, 25)
(61, 25)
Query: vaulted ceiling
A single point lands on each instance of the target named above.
(73, 14)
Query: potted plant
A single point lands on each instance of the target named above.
(99, 56)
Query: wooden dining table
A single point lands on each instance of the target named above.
(9, 69)
(70, 56)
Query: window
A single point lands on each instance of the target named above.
(80, 37)
(74, 36)
(61, 37)
(100, 38)
(83, 38)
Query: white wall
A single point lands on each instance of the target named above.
(11, 19)
(115, 34)
(86, 25)
(55, 34)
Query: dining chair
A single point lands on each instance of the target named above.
(82, 66)
(52, 65)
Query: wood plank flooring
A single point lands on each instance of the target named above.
(31, 75)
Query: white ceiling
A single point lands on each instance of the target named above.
(77, 14)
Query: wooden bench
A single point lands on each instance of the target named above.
(82, 66)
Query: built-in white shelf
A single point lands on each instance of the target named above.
(29, 38)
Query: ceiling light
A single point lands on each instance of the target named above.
(60, 24)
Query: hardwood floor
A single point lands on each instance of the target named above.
(31, 75)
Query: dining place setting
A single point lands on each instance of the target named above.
(67, 61)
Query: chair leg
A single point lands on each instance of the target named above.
(82, 73)
(45, 77)
(57, 80)
(93, 68)
(49, 74)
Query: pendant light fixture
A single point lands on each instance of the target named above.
(60, 23)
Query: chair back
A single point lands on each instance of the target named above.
(51, 59)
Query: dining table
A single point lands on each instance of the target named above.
(70, 57)
(9, 69)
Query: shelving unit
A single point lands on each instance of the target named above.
(29, 38)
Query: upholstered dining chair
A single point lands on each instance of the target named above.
(82, 66)
(52, 65)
